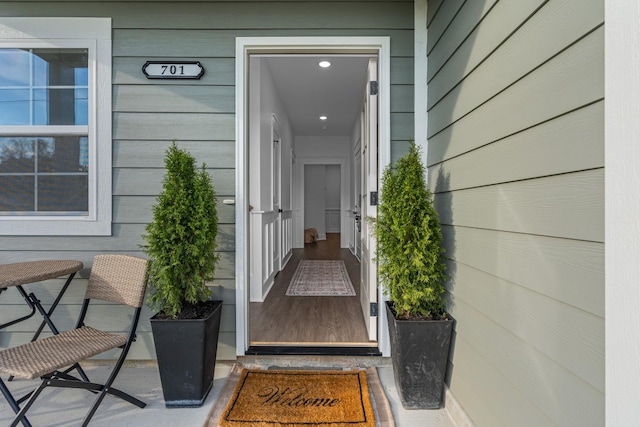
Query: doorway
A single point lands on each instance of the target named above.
(251, 203)
(335, 323)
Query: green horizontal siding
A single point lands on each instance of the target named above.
(516, 163)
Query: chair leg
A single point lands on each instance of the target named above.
(63, 379)
(106, 388)
(94, 407)
(12, 402)
(9, 397)
(20, 417)
(94, 388)
(127, 397)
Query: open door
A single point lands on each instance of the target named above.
(369, 200)
(357, 202)
(276, 178)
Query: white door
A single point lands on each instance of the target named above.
(357, 206)
(276, 179)
(368, 208)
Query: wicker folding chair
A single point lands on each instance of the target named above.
(115, 278)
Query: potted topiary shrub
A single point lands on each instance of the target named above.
(180, 243)
(411, 270)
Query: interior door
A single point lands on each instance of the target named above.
(369, 182)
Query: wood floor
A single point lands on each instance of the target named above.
(312, 321)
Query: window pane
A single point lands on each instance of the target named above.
(82, 76)
(17, 194)
(14, 67)
(60, 67)
(82, 106)
(44, 86)
(14, 107)
(63, 193)
(62, 154)
(17, 155)
(53, 178)
(60, 107)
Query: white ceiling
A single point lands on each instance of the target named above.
(308, 92)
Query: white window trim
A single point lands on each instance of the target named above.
(94, 33)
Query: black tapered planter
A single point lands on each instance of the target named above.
(186, 351)
(419, 353)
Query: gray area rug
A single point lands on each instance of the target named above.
(321, 278)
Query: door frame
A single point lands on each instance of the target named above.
(380, 46)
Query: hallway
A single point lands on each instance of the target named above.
(318, 321)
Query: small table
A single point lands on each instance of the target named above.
(22, 273)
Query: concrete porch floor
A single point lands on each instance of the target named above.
(59, 407)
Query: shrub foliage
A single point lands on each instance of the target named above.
(409, 251)
(181, 239)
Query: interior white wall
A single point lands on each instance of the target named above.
(332, 192)
(287, 167)
(254, 131)
(262, 111)
(322, 146)
(332, 189)
(265, 107)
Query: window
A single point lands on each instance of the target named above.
(55, 128)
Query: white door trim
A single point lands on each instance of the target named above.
(622, 210)
(248, 45)
(420, 80)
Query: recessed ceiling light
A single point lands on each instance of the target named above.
(323, 117)
(324, 64)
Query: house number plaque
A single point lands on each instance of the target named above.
(173, 70)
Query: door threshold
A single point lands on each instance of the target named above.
(312, 350)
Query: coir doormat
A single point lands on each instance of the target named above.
(279, 398)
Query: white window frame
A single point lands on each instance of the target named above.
(95, 35)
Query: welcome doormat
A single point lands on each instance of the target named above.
(278, 398)
(321, 278)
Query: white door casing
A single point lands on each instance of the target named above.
(379, 46)
(369, 191)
